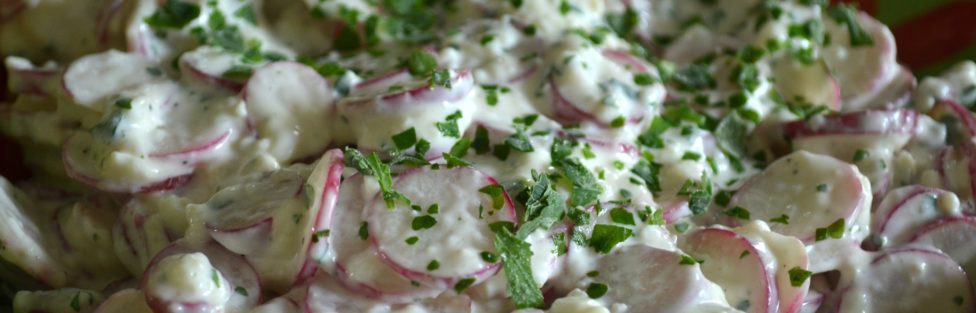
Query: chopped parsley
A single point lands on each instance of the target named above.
(738, 212)
(544, 206)
(463, 284)
(596, 290)
(516, 255)
(622, 216)
(241, 291)
(798, 276)
(423, 222)
(834, 230)
(433, 265)
(847, 15)
(449, 127)
(405, 139)
(363, 230)
(372, 166)
(782, 219)
(173, 14)
(605, 237)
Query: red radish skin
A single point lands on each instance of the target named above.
(385, 228)
(630, 269)
(724, 250)
(211, 79)
(910, 279)
(954, 237)
(206, 146)
(959, 112)
(900, 206)
(366, 274)
(236, 271)
(897, 121)
(329, 173)
(769, 195)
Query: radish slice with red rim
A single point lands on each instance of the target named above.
(146, 225)
(629, 270)
(378, 109)
(809, 83)
(910, 280)
(894, 121)
(21, 236)
(124, 301)
(581, 92)
(745, 272)
(862, 71)
(813, 191)
(188, 278)
(25, 78)
(324, 293)
(960, 123)
(457, 204)
(953, 236)
(97, 76)
(903, 211)
(211, 66)
(291, 105)
(357, 265)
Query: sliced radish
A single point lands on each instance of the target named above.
(109, 21)
(357, 265)
(864, 71)
(124, 301)
(153, 139)
(954, 236)
(97, 76)
(278, 305)
(899, 91)
(814, 191)
(207, 65)
(545, 262)
(291, 105)
(893, 121)
(587, 89)
(736, 264)
(630, 270)
(188, 278)
(957, 169)
(903, 211)
(812, 302)
(86, 226)
(325, 294)
(57, 300)
(275, 220)
(25, 78)
(808, 83)
(323, 183)
(241, 217)
(910, 280)
(22, 233)
(379, 108)
(789, 253)
(960, 123)
(146, 225)
(463, 216)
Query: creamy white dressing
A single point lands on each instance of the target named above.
(185, 142)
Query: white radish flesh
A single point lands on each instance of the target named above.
(736, 264)
(124, 301)
(22, 236)
(357, 264)
(861, 71)
(146, 225)
(903, 211)
(97, 76)
(377, 110)
(648, 279)
(808, 83)
(231, 282)
(814, 191)
(291, 105)
(910, 280)
(955, 237)
(453, 236)
(207, 65)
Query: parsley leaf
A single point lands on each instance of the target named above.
(405, 139)
(731, 134)
(605, 237)
(519, 142)
(798, 276)
(516, 255)
(585, 189)
(449, 127)
(648, 171)
(847, 15)
(545, 206)
(173, 14)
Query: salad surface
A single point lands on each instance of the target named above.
(562, 156)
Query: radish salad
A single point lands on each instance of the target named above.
(561, 156)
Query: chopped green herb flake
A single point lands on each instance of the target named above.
(463, 284)
(738, 212)
(516, 255)
(596, 290)
(363, 230)
(423, 222)
(622, 216)
(605, 237)
(798, 276)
